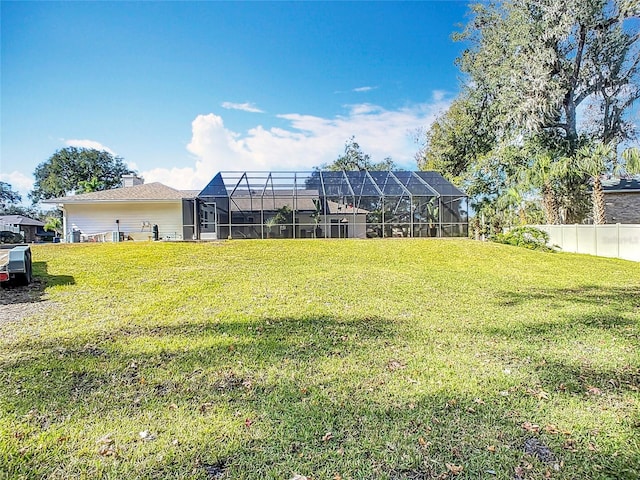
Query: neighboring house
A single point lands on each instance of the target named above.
(622, 199)
(32, 230)
(129, 212)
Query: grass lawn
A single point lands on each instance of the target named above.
(394, 359)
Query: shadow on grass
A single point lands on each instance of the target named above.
(584, 295)
(587, 380)
(285, 415)
(197, 352)
(604, 308)
(33, 292)
(40, 270)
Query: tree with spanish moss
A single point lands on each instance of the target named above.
(531, 67)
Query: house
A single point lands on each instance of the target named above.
(129, 212)
(622, 199)
(318, 204)
(31, 230)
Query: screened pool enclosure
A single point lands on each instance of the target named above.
(330, 204)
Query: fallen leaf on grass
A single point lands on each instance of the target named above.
(454, 469)
(491, 448)
(106, 440)
(593, 391)
(539, 394)
(423, 443)
(107, 451)
(107, 446)
(248, 422)
(327, 436)
(393, 365)
(531, 427)
(552, 429)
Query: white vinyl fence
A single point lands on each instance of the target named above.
(619, 240)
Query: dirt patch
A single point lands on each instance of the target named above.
(17, 303)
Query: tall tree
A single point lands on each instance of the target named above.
(75, 170)
(354, 158)
(557, 72)
(457, 139)
(8, 197)
(593, 160)
(542, 60)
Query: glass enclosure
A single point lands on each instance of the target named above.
(331, 204)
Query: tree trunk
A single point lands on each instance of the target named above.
(550, 206)
(598, 202)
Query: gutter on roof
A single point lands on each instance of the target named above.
(119, 200)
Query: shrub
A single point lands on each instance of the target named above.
(527, 237)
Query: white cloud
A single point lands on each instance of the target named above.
(245, 107)
(439, 95)
(19, 182)
(88, 144)
(308, 141)
(364, 89)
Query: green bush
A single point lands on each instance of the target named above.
(527, 237)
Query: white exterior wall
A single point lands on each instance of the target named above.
(101, 217)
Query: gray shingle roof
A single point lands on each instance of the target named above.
(617, 184)
(20, 220)
(146, 192)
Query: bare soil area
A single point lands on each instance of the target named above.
(17, 303)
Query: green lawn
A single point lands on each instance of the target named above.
(394, 359)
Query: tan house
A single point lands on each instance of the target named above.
(128, 213)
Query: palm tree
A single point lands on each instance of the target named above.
(541, 175)
(91, 185)
(513, 202)
(631, 157)
(594, 160)
(53, 224)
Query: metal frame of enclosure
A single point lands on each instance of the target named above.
(331, 204)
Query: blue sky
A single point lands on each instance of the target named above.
(182, 90)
